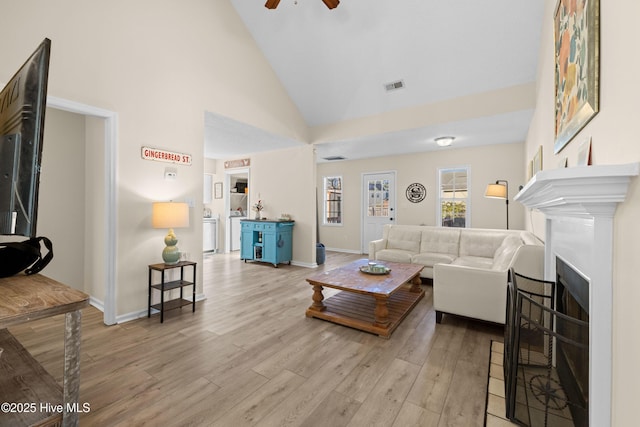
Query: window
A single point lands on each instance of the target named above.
(333, 200)
(454, 209)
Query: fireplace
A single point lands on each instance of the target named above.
(579, 205)
(572, 361)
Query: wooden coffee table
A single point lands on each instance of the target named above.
(371, 303)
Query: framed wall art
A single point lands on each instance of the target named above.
(217, 190)
(577, 67)
(416, 192)
(584, 153)
(537, 161)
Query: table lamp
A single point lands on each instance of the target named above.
(170, 215)
(499, 191)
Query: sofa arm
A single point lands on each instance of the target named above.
(469, 291)
(375, 246)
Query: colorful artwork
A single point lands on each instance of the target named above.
(577, 67)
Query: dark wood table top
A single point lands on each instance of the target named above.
(162, 266)
(350, 278)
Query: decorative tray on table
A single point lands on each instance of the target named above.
(377, 269)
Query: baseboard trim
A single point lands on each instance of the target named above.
(143, 313)
(95, 302)
(346, 251)
(304, 264)
(124, 318)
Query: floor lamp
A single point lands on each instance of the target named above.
(499, 191)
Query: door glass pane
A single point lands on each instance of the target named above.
(333, 200)
(378, 198)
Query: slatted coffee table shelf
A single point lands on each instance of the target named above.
(371, 303)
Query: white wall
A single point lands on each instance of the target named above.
(285, 179)
(614, 136)
(95, 209)
(487, 164)
(516, 98)
(61, 205)
(159, 66)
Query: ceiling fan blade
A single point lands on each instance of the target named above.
(331, 4)
(271, 4)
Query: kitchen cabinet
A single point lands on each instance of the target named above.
(266, 241)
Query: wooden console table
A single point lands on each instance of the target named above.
(22, 379)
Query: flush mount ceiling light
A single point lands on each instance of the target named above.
(331, 4)
(444, 141)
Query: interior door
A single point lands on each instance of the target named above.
(378, 205)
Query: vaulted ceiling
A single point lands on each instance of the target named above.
(336, 65)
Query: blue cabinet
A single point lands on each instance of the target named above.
(266, 241)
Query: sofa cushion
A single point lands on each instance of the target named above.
(481, 243)
(395, 255)
(408, 240)
(429, 259)
(440, 240)
(474, 261)
(504, 254)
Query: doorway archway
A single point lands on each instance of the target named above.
(110, 195)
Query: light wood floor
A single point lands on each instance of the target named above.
(249, 356)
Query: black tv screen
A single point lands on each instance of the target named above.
(22, 107)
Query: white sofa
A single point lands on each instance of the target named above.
(469, 266)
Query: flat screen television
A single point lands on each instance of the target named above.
(22, 107)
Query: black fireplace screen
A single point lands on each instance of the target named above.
(541, 291)
(542, 394)
(546, 352)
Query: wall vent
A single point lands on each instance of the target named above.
(394, 86)
(332, 158)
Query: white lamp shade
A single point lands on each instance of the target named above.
(496, 191)
(170, 215)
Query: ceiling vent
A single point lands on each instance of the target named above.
(333, 158)
(394, 86)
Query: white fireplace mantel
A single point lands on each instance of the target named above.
(579, 191)
(579, 205)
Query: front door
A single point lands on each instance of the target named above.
(378, 205)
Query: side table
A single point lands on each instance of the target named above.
(22, 379)
(164, 286)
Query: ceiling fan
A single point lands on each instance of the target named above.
(331, 4)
